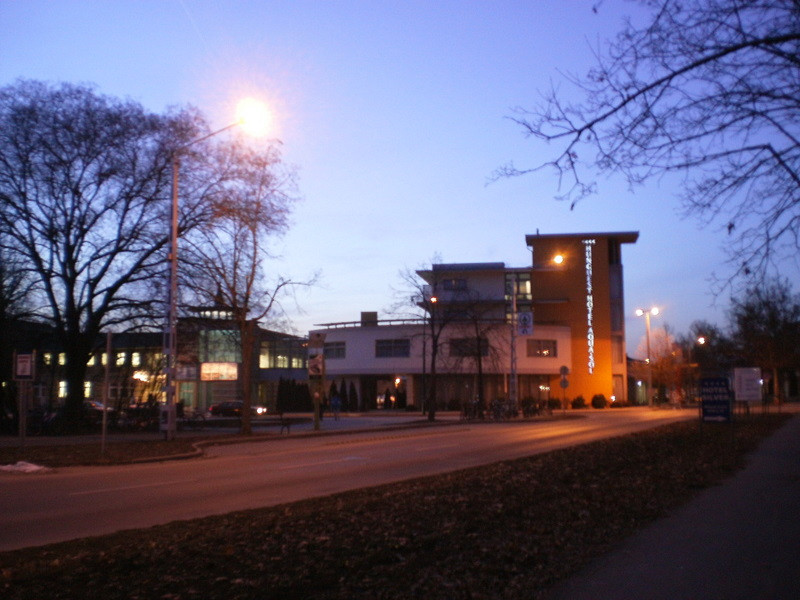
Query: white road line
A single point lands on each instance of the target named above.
(321, 463)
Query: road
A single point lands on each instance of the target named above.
(78, 502)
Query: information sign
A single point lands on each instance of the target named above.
(715, 394)
(525, 323)
(747, 384)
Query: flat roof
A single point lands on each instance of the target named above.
(624, 237)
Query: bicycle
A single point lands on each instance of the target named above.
(195, 421)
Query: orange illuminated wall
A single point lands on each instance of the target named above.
(576, 280)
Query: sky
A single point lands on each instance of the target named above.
(395, 116)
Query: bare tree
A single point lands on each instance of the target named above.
(709, 89)
(81, 182)
(225, 259)
(461, 314)
(419, 298)
(15, 305)
(766, 329)
(85, 184)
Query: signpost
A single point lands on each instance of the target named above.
(564, 370)
(715, 395)
(24, 374)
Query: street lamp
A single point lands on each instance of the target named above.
(252, 116)
(646, 314)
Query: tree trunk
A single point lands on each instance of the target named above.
(247, 332)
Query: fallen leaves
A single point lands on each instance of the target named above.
(503, 531)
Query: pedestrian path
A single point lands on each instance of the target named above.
(738, 540)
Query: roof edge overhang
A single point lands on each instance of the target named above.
(623, 237)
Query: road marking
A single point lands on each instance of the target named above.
(438, 447)
(321, 463)
(129, 487)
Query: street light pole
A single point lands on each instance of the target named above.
(250, 115)
(646, 314)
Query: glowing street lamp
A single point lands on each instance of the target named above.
(254, 118)
(646, 314)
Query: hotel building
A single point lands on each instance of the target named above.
(554, 330)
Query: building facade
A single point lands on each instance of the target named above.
(208, 370)
(551, 331)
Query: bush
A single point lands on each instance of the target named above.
(599, 401)
(553, 404)
(579, 402)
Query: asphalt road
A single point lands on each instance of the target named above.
(78, 502)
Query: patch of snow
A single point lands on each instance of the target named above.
(24, 467)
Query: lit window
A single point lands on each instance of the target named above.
(136, 359)
(104, 359)
(282, 361)
(62, 389)
(47, 357)
(62, 358)
(120, 359)
(91, 361)
(542, 348)
(87, 389)
(297, 362)
(264, 357)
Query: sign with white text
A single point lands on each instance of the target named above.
(715, 395)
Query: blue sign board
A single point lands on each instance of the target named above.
(715, 394)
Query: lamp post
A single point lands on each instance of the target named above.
(253, 117)
(646, 314)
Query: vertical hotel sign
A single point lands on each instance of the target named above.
(588, 249)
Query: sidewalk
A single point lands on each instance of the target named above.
(304, 424)
(739, 540)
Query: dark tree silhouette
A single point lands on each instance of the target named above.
(706, 88)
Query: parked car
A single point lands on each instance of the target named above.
(94, 412)
(234, 409)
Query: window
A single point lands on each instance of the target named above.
(617, 345)
(392, 348)
(120, 361)
(136, 359)
(522, 283)
(62, 358)
(468, 347)
(543, 348)
(47, 357)
(218, 345)
(298, 362)
(62, 389)
(454, 285)
(264, 357)
(91, 362)
(87, 389)
(334, 350)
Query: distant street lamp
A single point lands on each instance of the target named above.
(646, 314)
(253, 117)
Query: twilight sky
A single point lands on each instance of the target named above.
(395, 115)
